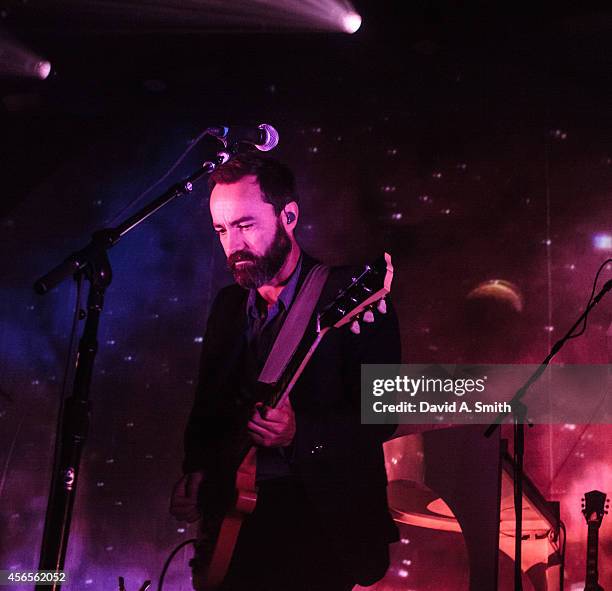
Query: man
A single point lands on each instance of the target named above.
(321, 520)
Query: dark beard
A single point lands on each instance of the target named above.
(263, 268)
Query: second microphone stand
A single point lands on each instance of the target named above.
(519, 415)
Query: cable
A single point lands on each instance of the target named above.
(561, 465)
(562, 568)
(549, 295)
(584, 322)
(73, 332)
(136, 200)
(162, 576)
(68, 369)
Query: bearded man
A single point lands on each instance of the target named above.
(321, 521)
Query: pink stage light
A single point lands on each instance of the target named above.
(43, 69)
(20, 61)
(351, 22)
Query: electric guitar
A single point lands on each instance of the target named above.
(231, 494)
(594, 506)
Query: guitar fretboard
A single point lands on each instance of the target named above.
(592, 576)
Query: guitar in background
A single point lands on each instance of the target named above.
(594, 507)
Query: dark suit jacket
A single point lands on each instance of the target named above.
(339, 460)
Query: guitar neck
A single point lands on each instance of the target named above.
(592, 576)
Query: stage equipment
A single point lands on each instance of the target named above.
(452, 479)
(519, 415)
(263, 137)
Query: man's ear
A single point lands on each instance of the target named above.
(290, 215)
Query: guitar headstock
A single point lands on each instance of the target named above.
(365, 290)
(594, 506)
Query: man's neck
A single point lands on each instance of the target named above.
(271, 291)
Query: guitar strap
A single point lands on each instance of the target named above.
(295, 324)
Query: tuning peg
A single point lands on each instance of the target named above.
(368, 316)
(355, 328)
(382, 306)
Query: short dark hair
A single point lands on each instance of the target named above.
(275, 178)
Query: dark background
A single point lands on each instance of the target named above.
(472, 143)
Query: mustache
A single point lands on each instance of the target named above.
(241, 255)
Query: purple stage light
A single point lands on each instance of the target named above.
(602, 242)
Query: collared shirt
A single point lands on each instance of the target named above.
(258, 320)
(263, 325)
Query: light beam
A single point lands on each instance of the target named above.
(18, 60)
(126, 16)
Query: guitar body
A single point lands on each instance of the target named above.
(220, 527)
(229, 494)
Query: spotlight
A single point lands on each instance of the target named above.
(18, 60)
(42, 70)
(351, 22)
(602, 242)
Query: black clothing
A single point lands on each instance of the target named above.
(338, 461)
(283, 545)
(263, 325)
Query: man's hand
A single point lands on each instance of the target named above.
(184, 501)
(273, 427)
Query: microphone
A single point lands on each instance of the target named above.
(264, 137)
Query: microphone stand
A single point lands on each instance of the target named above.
(519, 415)
(93, 264)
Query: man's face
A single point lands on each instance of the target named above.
(255, 242)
